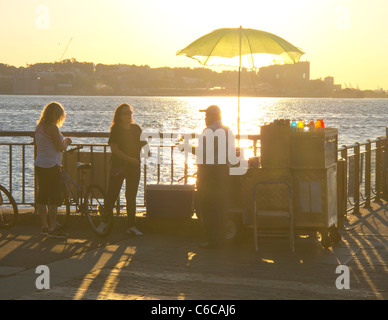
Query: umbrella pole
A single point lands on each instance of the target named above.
(238, 99)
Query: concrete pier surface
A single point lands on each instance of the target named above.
(167, 263)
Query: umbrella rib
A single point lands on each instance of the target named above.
(285, 50)
(209, 55)
(250, 48)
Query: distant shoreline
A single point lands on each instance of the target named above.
(73, 78)
(196, 95)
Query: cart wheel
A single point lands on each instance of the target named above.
(233, 227)
(326, 241)
(334, 235)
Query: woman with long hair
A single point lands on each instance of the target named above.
(50, 144)
(126, 144)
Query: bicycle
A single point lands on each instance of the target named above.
(8, 209)
(86, 199)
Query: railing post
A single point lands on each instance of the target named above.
(356, 191)
(145, 181)
(10, 169)
(254, 147)
(368, 175)
(158, 165)
(186, 142)
(172, 164)
(344, 156)
(379, 169)
(341, 192)
(385, 167)
(35, 181)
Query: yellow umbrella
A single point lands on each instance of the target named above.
(249, 48)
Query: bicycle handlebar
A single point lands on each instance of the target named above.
(74, 149)
(188, 176)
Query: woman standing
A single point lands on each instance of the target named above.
(50, 144)
(125, 144)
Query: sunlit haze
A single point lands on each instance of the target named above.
(345, 39)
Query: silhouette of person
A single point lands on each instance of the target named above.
(125, 143)
(50, 144)
(212, 155)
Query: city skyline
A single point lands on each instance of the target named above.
(341, 37)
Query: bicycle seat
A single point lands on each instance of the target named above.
(81, 165)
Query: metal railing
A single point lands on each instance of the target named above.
(362, 171)
(166, 164)
(362, 175)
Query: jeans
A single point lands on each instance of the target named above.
(131, 174)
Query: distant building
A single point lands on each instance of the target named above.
(25, 83)
(288, 76)
(329, 81)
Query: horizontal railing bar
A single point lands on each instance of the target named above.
(16, 143)
(106, 134)
(354, 145)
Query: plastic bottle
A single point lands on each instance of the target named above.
(300, 125)
(293, 125)
(322, 124)
(318, 125)
(311, 126)
(306, 125)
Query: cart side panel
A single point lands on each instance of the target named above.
(315, 197)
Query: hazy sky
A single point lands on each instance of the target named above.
(347, 39)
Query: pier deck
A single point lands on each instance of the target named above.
(167, 263)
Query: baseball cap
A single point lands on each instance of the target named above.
(212, 109)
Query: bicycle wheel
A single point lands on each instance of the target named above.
(99, 221)
(8, 209)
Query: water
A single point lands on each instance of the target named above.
(357, 120)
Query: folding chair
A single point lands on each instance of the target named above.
(274, 213)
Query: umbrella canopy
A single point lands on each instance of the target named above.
(240, 47)
(255, 47)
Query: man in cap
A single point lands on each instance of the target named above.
(212, 156)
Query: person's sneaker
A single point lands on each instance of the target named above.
(135, 231)
(44, 231)
(57, 233)
(102, 227)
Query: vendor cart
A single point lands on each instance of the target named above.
(300, 165)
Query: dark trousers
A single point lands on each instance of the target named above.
(212, 186)
(131, 175)
(50, 186)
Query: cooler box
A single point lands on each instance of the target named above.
(275, 146)
(167, 200)
(318, 149)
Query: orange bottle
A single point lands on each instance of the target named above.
(311, 126)
(318, 125)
